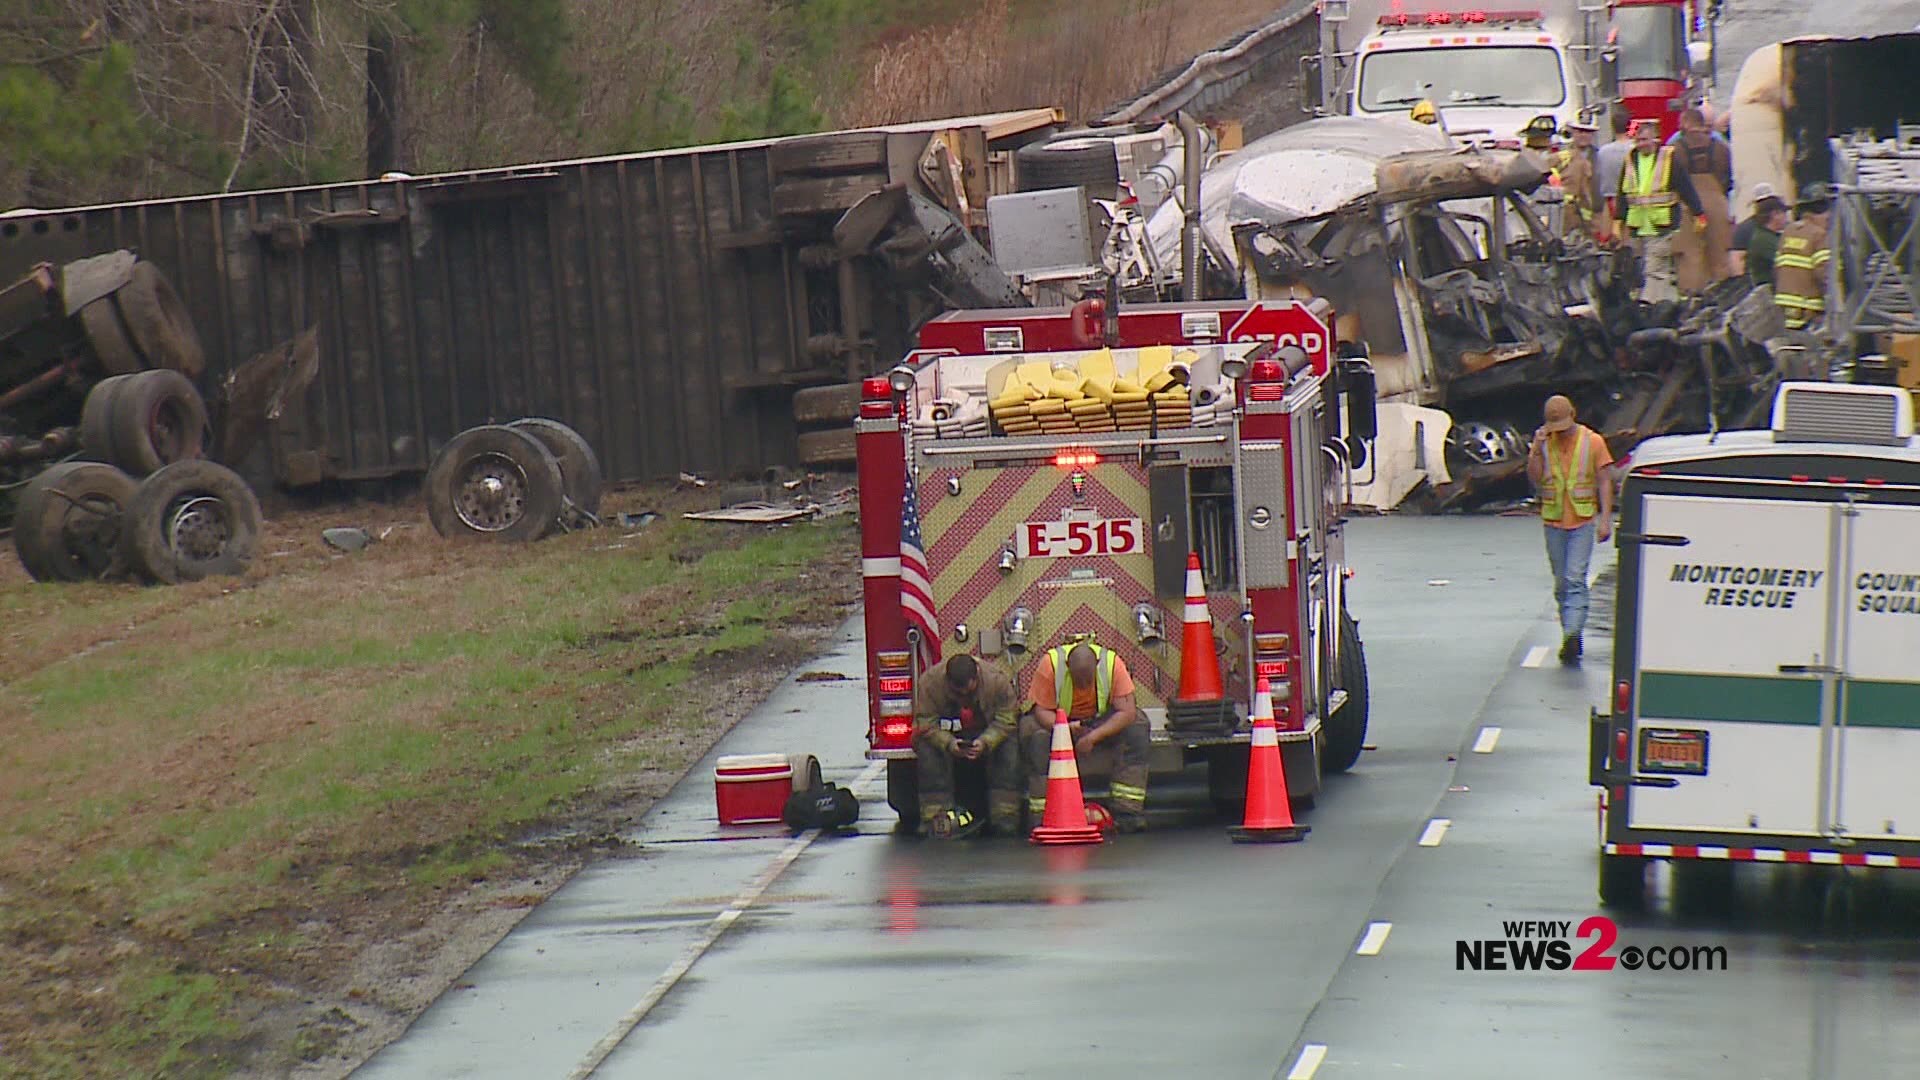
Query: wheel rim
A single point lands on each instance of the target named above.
(169, 429)
(492, 493)
(90, 532)
(199, 528)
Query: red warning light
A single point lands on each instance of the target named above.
(1076, 459)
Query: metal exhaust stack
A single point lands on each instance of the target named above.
(1194, 151)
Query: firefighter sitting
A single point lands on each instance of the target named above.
(963, 721)
(1110, 737)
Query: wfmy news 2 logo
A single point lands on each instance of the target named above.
(1548, 945)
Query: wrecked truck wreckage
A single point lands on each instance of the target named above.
(1449, 267)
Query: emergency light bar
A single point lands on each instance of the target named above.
(1472, 17)
(1076, 459)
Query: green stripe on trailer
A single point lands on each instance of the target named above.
(1760, 699)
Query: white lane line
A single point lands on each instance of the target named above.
(1308, 1063)
(1489, 736)
(1536, 656)
(691, 956)
(1375, 939)
(1436, 829)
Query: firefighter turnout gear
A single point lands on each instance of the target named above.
(1094, 704)
(986, 714)
(1800, 273)
(1573, 169)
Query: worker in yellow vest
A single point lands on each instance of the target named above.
(1801, 266)
(1110, 737)
(1650, 190)
(1568, 464)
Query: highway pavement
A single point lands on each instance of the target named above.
(717, 952)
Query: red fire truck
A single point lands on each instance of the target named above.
(1655, 69)
(1026, 524)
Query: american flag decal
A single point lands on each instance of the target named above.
(916, 585)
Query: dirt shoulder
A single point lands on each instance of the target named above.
(255, 826)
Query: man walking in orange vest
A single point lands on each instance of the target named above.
(1568, 463)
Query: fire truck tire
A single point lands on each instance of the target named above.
(1623, 880)
(903, 792)
(158, 418)
(580, 473)
(1347, 728)
(192, 520)
(66, 524)
(1095, 164)
(494, 483)
(107, 335)
(159, 323)
(96, 419)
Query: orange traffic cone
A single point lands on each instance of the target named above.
(1269, 818)
(1200, 706)
(1065, 821)
(1199, 663)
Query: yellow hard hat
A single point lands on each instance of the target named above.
(1425, 113)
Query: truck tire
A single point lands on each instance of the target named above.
(496, 483)
(834, 446)
(96, 419)
(158, 322)
(192, 520)
(158, 418)
(1070, 163)
(903, 792)
(1623, 880)
(107, 336)
(580, 474)
(1347, 729)
(838, 404)
(68, 520)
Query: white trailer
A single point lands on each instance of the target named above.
(1767, 645)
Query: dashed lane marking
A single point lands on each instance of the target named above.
(1489, 736)
(1436, 829)
(691, 956)
(1536, 656)
(1304, 1066)
(1375, 940)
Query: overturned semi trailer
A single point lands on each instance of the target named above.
(668, 305)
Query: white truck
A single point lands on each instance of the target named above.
(1489, 72)
(1766, 696)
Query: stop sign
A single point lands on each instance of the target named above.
(1287, 324)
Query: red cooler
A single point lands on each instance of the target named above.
(752, 789)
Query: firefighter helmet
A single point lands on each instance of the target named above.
(1425, 113)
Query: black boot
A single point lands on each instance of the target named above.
(1570, 649)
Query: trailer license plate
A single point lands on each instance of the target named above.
(1081, 537)
(1672, 750)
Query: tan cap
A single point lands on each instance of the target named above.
(1558, 413)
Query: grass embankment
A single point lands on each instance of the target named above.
(213, 798)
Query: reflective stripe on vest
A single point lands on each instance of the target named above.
(1573, 476)
(1063, 681)
(1648, 186)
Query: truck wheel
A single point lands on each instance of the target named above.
(903, 793)
(1347, 729)
(192, 520)
(158, 322)
(580, 474)
(158, 418)
(96, 419)
(107, 335)
(1623, 880)
(494, 483)
(1070, 163)
(67, 522)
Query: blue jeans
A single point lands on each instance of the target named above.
(1569, 551)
